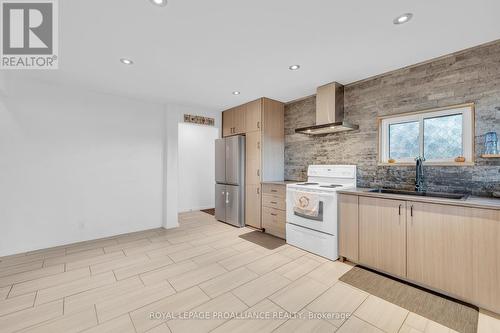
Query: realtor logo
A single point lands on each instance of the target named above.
(29, 34)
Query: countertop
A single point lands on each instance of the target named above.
(281, 182)
(472, 201)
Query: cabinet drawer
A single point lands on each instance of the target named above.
(274, 189)
(273, 201)
(273, 220)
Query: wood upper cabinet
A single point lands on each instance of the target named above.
(348, 226)
(233, 121)
(382, 234)
(440, 247)
(239, 120)
(253, 116)
(227, 122)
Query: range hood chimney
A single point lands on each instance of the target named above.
(329, 111)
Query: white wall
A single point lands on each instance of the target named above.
(196, 166)
(76, 165)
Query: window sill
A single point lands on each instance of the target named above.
(465, 164)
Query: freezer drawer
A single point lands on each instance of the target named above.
(234, 206)
(229, 204)
(220, 202)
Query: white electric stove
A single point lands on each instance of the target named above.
(318, 234)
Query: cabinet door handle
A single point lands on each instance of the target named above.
(274, 214)
(399, 209)
(258, 124)
(258, 173)
(227, 197)
(258, 145)
(411, 211)
(258, 190)
(274, 202)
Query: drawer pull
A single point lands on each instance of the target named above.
(274, 190)
(274, 202)
(274, 214)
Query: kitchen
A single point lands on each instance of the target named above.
(452, 205)
(314, 168)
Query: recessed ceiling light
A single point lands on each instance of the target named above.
(161, 3)
(294, 67)
(126, 61)
(236, 93)
(402, 18)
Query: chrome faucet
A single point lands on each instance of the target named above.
(419, 174)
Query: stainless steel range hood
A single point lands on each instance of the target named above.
(329, 112)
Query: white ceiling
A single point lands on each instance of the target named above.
(196, 52)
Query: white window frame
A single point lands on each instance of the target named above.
(467, 112)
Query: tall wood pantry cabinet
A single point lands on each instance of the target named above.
(263, 123)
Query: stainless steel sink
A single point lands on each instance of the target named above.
(457, 196)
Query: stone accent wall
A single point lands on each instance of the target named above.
(467, 76)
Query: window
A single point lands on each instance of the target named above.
(439, 135)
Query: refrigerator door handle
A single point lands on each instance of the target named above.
(227, 197)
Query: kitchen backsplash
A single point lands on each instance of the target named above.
(472, 75)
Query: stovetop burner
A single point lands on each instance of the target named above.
(331, 186)
(308, 184)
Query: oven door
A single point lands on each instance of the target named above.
(326, 221)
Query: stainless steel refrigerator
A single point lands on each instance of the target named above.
(230, 180)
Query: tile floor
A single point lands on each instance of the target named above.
(116, 284)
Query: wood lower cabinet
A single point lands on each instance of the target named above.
(486, 258)
(253, 205)
(348, 227)
(273, 221)
(273, 201)
(440, 247)
(457, 250)
(449, 248)
(273, 209)
(382, 234)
